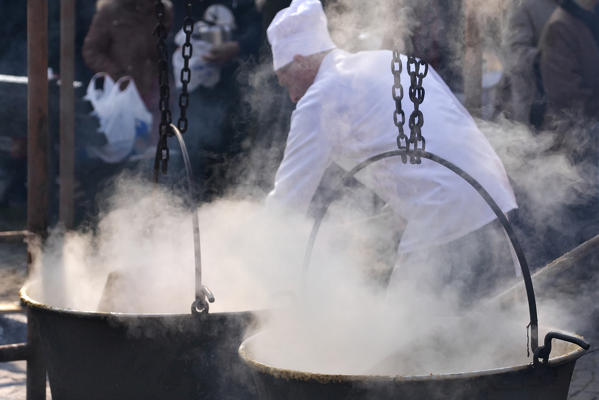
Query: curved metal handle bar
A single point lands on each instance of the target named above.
(532, 305)
(542, 353)
(203, 295)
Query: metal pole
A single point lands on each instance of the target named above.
(473, 59)
(67, 110)
(37, 171)
(36, 370)
(13, 236)
(560, 273)
(14, 352)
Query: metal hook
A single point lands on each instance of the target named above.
(201, 304)
(541, 354)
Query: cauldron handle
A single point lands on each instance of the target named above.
(532, 305)
(541, 354)
(203, 295)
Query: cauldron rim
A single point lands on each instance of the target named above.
(28, 301)
(288, 374)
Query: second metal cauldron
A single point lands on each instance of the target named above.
(517, 382)
(127, 356)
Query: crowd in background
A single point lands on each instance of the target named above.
(548, 52)
(552, 58)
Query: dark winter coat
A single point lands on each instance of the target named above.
(570, 68)
(120, 42)
(526, 20)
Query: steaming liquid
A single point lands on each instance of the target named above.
(452, 347)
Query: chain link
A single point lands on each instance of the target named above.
(416, 142)
(185, 77)
(417, 69)
(399, 117)
(162, 151)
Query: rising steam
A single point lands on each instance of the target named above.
(338, 316)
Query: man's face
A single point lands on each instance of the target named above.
(296, 77)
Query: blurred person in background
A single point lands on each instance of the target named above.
(120, 42)
(431, 31)
(227, 35)
(569, 66)
(525, 22)
(520, 98)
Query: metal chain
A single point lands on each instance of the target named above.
(416, 122)
(162, 152)
(186, 52)
(399, 117)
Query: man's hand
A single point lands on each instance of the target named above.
(222, 53)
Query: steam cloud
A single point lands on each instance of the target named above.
(340, 321)
(343, 320)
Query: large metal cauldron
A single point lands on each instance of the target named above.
(545, 382)
(128, 356)
(547, 378)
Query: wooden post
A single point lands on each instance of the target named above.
(37, 166)
(67, 111)
(473, 59)
(37, 116)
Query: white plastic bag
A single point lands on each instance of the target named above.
(122, 114)
(98, 96)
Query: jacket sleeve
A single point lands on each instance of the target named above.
(521, 48)
(97, 44)
(562, 76)
(307, 155)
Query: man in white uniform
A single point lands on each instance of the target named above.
(344, 115)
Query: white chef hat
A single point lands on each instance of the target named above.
(301, 29)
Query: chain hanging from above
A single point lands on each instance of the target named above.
(415, 143)
(416, 93)
(162, 150)
(186, 52)
(399, 117)
(203, 295)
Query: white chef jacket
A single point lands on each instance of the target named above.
(346, 116)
